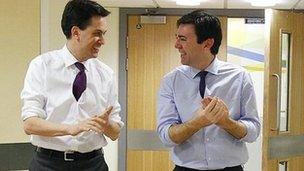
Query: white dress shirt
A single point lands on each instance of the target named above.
(47, 94)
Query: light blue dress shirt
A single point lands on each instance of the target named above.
(211, 147)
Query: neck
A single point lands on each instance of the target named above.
(205, 62)
(74, 51)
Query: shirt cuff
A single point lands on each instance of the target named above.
(167, 140)
(28, 112)
(118, 121)
(251, 132)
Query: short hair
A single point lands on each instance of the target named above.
(79, 13)
(206, 26)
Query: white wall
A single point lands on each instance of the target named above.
(255, 149)
(19, 43)
(53, 38)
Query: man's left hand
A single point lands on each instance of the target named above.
(103, 119)
(225, 112)
(225, 117)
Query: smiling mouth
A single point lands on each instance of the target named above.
(96, 50)
(183, 54)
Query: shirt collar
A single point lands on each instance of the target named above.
(212, 68)
(69, 58)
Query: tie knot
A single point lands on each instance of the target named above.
(202, 74)
(80, 66)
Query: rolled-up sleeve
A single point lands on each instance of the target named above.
(166, 112)
(32, 94)
(113, 101)
(249, 110)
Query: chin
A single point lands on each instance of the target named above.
(91, 56)
(94, 55)
(184, 62)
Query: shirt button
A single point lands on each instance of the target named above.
(208, 139)
(209, 158)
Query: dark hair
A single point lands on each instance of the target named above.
(79, 13)
(206, 26)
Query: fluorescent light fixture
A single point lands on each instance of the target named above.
(263, 3)
(188, 2)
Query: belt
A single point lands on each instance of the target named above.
(69, 155)
(239, 167)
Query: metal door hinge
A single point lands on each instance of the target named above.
(127, 42)
(126, 65)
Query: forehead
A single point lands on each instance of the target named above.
(186, 29)
(98, 23)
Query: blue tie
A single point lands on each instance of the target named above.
(202, 84)
(80, 82)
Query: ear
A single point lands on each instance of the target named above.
(208, 43)
(75, 33)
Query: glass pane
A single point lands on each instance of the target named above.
(285, 60)
(283, 166)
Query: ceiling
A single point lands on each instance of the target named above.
(209, 4)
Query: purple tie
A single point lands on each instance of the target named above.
(80, 82)
(202, 84)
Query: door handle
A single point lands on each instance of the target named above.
(278, 78)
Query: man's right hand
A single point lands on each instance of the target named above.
(84, 126)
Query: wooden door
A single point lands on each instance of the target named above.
(151, 54)
(283, 140)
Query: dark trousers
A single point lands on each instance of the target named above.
(235, 168)
(42, 162)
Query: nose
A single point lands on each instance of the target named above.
(177, 44)
(101, 41)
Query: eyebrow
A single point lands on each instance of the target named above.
(100, 31)
(180, 36)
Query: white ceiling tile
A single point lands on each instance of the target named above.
(239, 4)
(128, 3)
(209, 4)
(212, 4)
(300, 5)
(204, 4)
(244, 4)
(285, 4)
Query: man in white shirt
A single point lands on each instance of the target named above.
(69, 98)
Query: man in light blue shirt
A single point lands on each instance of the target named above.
(206, 108)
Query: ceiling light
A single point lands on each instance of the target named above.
(188, 2)
(263, 3)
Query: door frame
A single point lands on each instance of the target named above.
(122, 78)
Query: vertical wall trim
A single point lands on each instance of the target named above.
(122, 90)
(44, 21)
